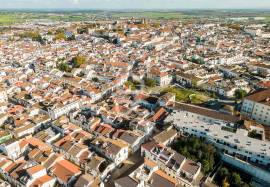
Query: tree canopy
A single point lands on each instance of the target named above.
(230, 177)
(60, 36)
(132, 84)
(64, 67)
(199, 151)
(34, 35)
(78, 61)
(240, 93)
(95, 79)
(149, 82)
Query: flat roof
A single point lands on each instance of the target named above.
(213, 130)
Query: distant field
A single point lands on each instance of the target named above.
(13, 18)
(8, 19)
(151, 15)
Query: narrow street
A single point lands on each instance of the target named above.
(131, 164)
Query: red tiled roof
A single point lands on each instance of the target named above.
(40, 181)
(159, 114)
(64, 170)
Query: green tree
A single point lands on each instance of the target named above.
(11, 38)
(72, 37)
(194, 83)
(130, 85)
(240, 93)
(254, 134)
(198, 39)
(196, 149)
(205, 166)
(39, 39)
(184, 151)
(64, 67)
(149, 82)
(224, 172)
(78, 61)
(81, 74)
(60, 36)
(95, 79)
(34, 35)
(156, 25)
(49, 33)
(185, 57)
(60, 30)
(199, 154)
(28, 96)
(82, 30)
(236, 179)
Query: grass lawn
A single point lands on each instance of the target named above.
(187, 95)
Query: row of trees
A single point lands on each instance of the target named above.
(35, 36)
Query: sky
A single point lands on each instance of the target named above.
(134, 4)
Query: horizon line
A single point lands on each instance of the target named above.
(128, 9)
